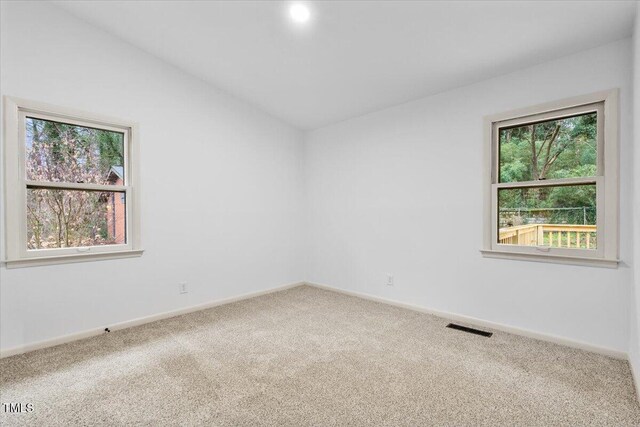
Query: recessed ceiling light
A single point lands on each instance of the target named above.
(299, 13)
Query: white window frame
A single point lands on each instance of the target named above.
(15, 186)
(606, 181)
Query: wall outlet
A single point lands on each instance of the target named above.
(389, 279)
(182, 288)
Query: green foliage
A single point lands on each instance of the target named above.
(563, 148)
(547, 150)
(111, 148)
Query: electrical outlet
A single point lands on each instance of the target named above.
(389, 279)
(182, 288)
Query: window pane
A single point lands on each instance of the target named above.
(60, 152)
(562, 148)
(74, 218)
(557, 216)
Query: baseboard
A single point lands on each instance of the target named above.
(483, 323)
(446, 315)
(138, 321)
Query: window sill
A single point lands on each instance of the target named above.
(556, 259)
(67, 259)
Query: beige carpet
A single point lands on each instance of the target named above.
(308, 357)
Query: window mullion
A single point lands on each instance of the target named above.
(548, 182)
(75, 186)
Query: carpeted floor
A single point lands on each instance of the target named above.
(309, 357)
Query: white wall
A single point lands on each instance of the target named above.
(634, 333)
(221, 182)
(399, 191)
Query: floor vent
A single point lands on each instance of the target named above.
(469, 330)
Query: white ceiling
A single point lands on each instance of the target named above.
(354, 57)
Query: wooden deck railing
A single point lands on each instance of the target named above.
(554, 235)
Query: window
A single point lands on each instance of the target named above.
(551, 189)
(70, 186)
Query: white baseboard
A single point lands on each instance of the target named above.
(138, 321)
(447, 315)
(484, 323)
